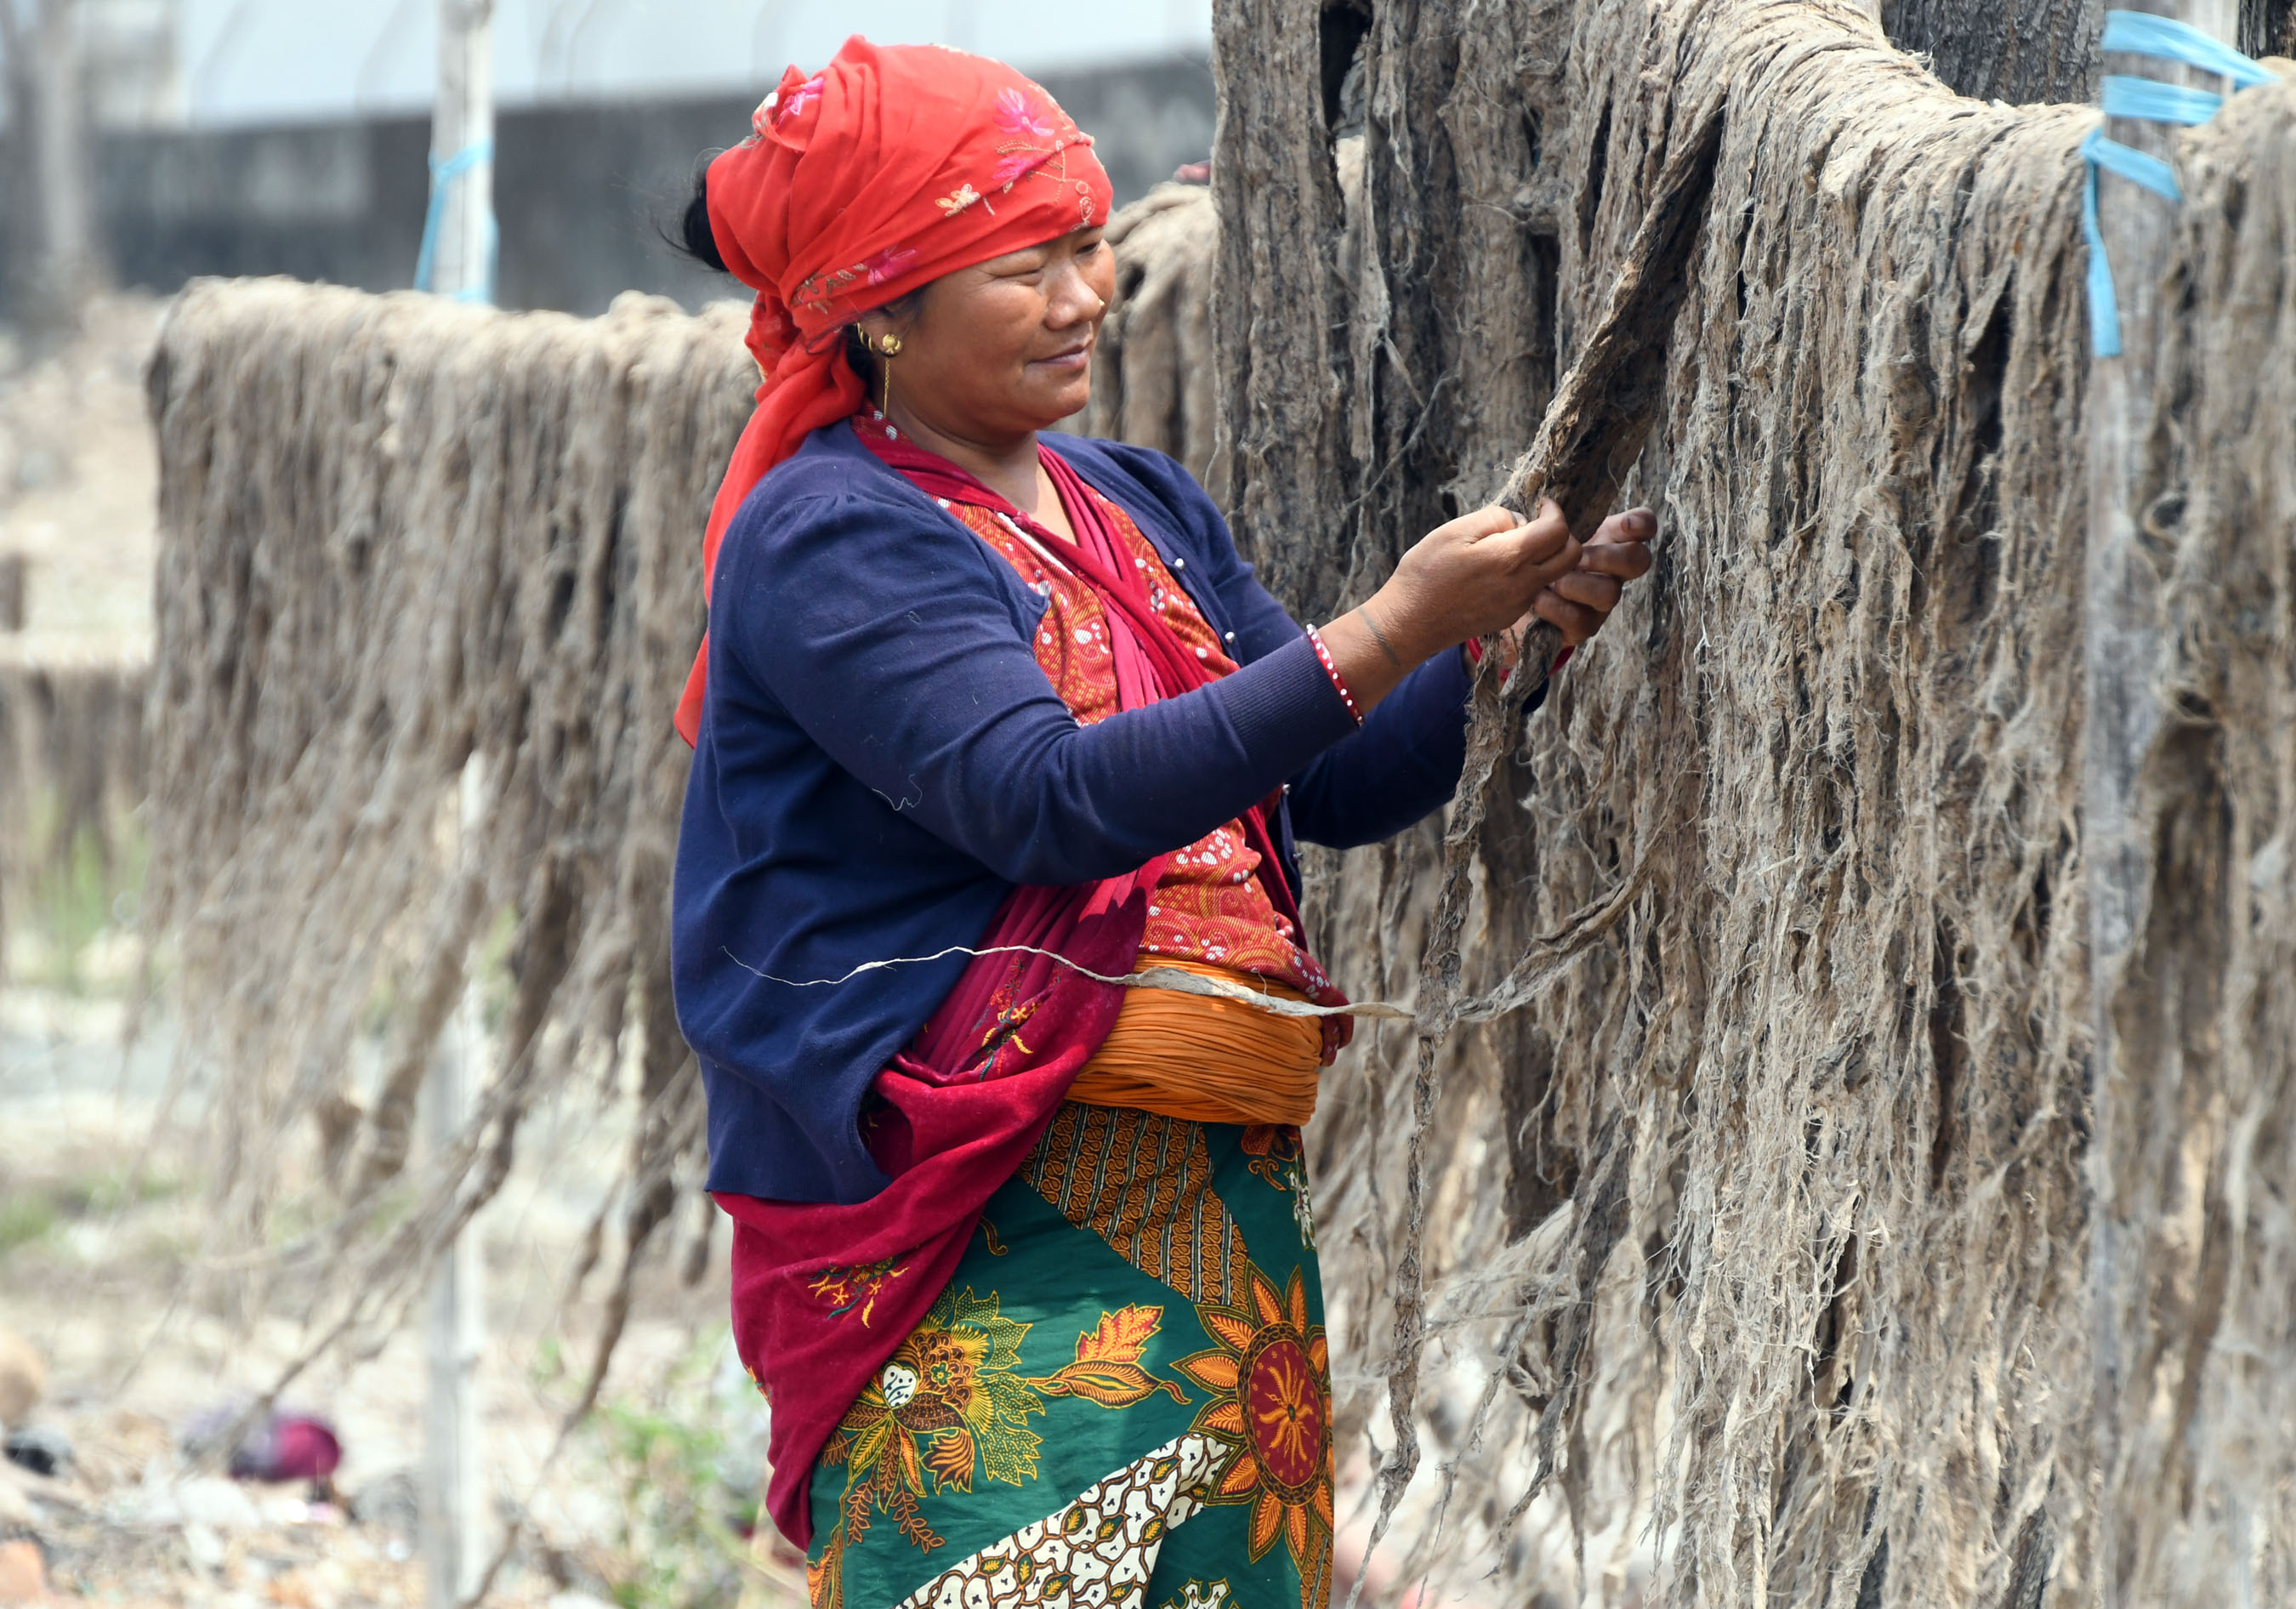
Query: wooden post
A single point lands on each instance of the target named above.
(2123, 648)
(65, 216)
(47, 73)
(458, 261)
(459, 242)
(454, 1489)
(454, 1528)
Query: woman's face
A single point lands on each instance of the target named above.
(1003, 348)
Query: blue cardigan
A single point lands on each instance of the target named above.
(881, 761)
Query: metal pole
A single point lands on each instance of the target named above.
(458, 260)
(2123, 647)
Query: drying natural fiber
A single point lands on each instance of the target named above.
(2196, 1287)
(1153, 375)
(1750, 1262)
(427, 587)
(1734, 1248)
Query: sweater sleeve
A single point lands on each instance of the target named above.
(887, 635)
(1404, 763)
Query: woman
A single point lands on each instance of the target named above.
(1023, 1254)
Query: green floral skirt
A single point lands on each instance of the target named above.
(1122, 1398)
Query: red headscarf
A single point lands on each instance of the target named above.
(892, 166)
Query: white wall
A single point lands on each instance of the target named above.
(264, 61)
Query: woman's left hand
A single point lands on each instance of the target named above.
(1578, 603)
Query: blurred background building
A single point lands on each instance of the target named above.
(290, 136)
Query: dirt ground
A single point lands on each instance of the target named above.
(100, 1274)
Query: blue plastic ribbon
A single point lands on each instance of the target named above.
(443, 176)
(2138, 168)
(2143, 34)
(2150, 101)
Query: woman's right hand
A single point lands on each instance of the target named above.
(1473, 576)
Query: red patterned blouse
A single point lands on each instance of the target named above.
(1211, 906)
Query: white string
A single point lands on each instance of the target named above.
(1155, 977)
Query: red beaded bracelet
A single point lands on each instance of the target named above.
(1331, 670)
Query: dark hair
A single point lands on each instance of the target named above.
(866, 363)
(693, 238)
(862, 360)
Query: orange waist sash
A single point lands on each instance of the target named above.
(1206, 1059)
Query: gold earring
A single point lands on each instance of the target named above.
(888, 347)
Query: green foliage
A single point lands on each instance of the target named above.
(678, 1542)
(492, 969)
(112, 1189)
(25, 1219)
(27, 1215)
(549, 1366)
(85, 890)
